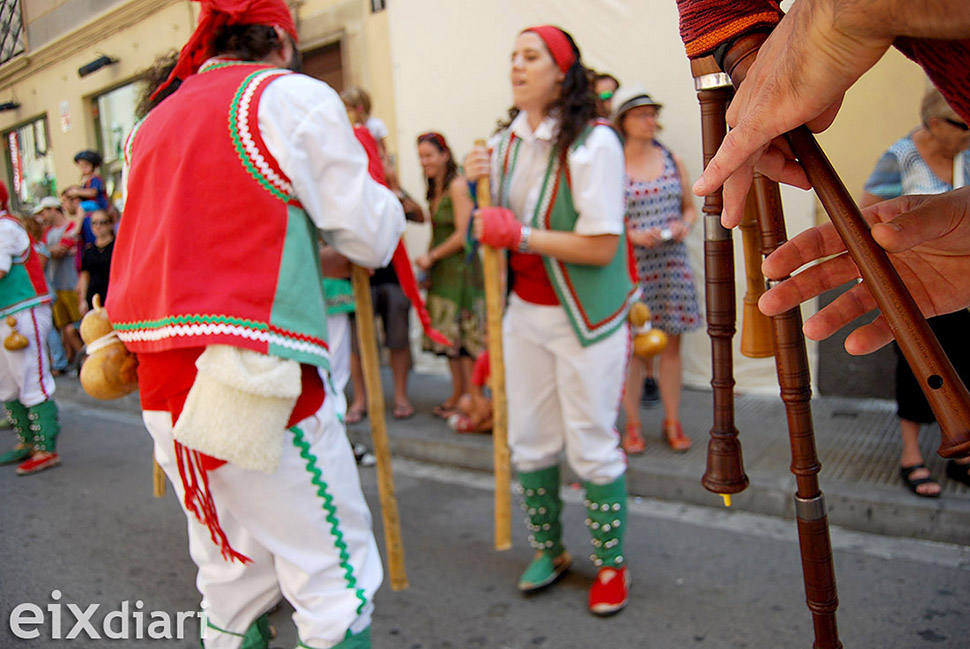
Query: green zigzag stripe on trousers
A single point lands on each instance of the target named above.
(299, 440)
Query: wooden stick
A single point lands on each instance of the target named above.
(158, 480)
(500, 427)
(378, 427)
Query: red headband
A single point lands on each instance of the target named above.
(438, 138)
(558, 45)
(218, 13)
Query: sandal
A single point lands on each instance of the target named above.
(633, 442)
(674, 434)
(906, 472)
(958, 472)
(403, 411)
(355, 415)
(443, 410)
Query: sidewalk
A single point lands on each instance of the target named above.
(857, 441)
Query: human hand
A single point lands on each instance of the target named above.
(679, 230)
(929, 241)
(333, 264)
(424, 262)
(497, 227)
(477, 164)
(648, 238)
(817, 51)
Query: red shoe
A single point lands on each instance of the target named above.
(674, 434)
(39, 462)
(633, 442)
(608, 594)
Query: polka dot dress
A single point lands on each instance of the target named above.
(664, 271)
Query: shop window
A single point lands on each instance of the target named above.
(114, 113)
(11, 30)
(30, 165)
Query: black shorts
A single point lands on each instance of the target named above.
(393, 307)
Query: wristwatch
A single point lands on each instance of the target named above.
(524, 239)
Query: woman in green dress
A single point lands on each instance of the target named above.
(456, 298)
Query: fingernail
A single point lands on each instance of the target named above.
(895, 227)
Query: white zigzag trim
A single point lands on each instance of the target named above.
(174, 331)
(242, 123)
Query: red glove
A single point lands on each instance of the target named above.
(500, 227)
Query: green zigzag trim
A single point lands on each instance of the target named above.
(237, 141)
(299, 440)
(188, 319)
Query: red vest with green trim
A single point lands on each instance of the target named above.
(24, 285)
(214, 247)
(596, 298)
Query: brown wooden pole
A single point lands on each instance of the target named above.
(158, 480)
(492, 271)
(944, 390)
(791, 361)
(370, 362)
(725, 471)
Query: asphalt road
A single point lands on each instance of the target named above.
(703, 578)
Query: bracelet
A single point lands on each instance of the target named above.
(524, 239)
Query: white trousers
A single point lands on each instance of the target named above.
(562, 395)
(25, 374)
(306, 527)
(338, 337)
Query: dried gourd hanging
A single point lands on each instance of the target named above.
(16, 340)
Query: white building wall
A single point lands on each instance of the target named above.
(450, 68)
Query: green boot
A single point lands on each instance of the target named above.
(540, 490)
(356, 641)
(258, 634)
(17, 416)
(44, 427)
(606, 505)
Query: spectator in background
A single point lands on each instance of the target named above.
(659, 215)
(63, 239)
(604, 87)
(92, 186)
(36, 227)
(390, 302)
(932, 159)
(96, 262)
(358, 102)
(456, 297)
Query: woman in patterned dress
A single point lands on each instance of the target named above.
(932, 159)
(660, 213)
(456, 299)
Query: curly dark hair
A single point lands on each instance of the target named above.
(153, 77)
(437, 140)
(251, 43)
(576, 105)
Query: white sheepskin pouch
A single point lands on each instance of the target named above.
(238, 407)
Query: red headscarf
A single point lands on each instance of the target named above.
(219, 13)
(557, 44)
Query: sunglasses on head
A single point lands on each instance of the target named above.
(960, 125)
(437, 138)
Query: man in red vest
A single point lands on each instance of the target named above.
(26, 384)
(215, 285)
